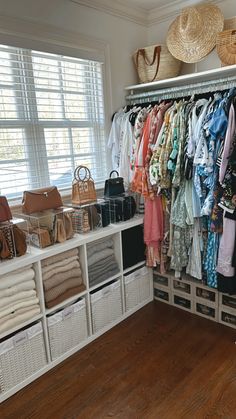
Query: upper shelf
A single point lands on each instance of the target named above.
(203, 76)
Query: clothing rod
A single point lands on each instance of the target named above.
(181, 91)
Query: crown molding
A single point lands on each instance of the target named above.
(118, 8)
(166, 12)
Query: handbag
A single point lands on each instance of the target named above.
(83, 188)
(155, 62)
(114, 186)
(5, 212)
(41, 199)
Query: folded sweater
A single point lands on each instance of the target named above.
(24, 286)
(29, 302)
(15, 298)
(55, 292)
(102, 263)
(98, 279)
(59, 257)
(58, 278)
(57, 270)
(62, 263)
(15, 278)
(98, 246)
(96, 257)
(67, 294)
(16, 318)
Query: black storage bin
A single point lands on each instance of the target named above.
(133, 247)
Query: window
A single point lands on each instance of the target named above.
(51, 120)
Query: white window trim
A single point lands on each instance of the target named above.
(36, 36)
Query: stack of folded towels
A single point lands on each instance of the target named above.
(18, 298)
(102, 263)
(62, 277)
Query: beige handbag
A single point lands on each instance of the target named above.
(83, 188)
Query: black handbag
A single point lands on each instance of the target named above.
(114, 186)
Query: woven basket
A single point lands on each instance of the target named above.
(137, 287)
(226, 47)
(155, 63)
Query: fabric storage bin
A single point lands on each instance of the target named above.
(106, 305)
(227, 317)
(67, 328)
(182, 287)
(228, 302)
(21, 356)
(206, 310)
(184, 302)
(162, 294)
(161, 280)
(137, 287)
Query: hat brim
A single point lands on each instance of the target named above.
(195, 50)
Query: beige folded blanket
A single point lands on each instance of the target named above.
(10, 321)
(61, 288)
(57, 270)
(67, 294)
(14, 278)
(59, 257)
(62, 263)
(29, 302)
(59, 278)
(20, 296)
(24, 286)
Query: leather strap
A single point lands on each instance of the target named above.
(156, 55)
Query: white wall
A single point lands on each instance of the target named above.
(157, 35)
(122, 36)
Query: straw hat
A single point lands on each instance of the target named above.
(226, 46)
(192, 35)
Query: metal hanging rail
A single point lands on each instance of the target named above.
(182, 90)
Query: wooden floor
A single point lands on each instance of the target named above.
(160, 363)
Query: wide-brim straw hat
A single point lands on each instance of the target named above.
(192, 35)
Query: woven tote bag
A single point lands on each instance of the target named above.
(155, 63)
(83, 188)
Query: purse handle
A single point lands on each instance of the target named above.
(77, 174)
(156, 53)
(113, 171)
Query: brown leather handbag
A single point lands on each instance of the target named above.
(5, 212)
(41, 199)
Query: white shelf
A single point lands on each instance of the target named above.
(202, 76)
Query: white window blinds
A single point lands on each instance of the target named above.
(51, 120)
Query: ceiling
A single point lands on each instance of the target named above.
(147, 4)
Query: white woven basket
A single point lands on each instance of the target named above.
(106, 305)
(67, 328)
(21, 356)
(137, 287)
(155, 63)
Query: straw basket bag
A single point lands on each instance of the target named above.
(83, 188)
(226, 47)
(155, 63)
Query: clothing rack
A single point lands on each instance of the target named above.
(182, 90)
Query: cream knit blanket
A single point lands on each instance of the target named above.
(22, 304)
(15, 278)
(24, 286)
(20, 296)
(13, 319)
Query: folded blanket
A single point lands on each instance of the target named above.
(59, 278)
(57, 270)
(67, 294)
(24, 286)
(59, 257)
(16, 298)
(29, 302)
(62, 263)
(61, 288)
(98, 279)
(96, 257)
(102, 263)
(11, 321)
(14, 278)
(105, 273)
(98, 246)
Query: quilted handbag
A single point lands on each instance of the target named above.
(41, 199)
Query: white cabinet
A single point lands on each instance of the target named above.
(71, 322)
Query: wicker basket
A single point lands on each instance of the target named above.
(155, 63)
(226, 47)
(67, 328)
(137, 287)
(21, 356)
(106, 305)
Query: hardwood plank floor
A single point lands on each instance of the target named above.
(160, 363)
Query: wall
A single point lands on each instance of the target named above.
(121, 36)
(157, 34)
